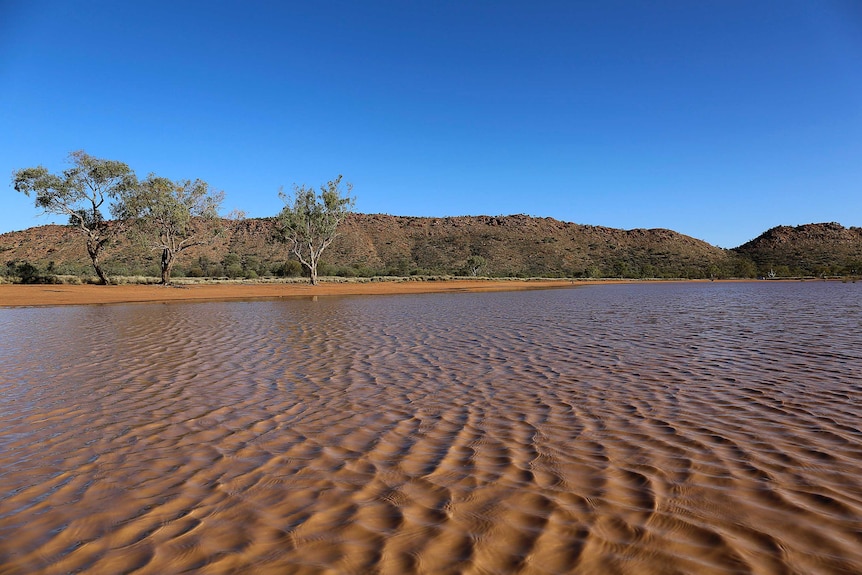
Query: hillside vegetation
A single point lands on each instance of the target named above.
(809, 250)
(514, 246)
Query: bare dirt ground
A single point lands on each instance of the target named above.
(51, 295)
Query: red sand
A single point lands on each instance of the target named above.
(49, 295)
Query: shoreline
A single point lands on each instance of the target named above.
(47, 295)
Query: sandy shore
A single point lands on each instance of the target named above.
(51, 295)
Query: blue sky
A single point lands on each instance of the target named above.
(717, 119)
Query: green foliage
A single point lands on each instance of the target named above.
(474, 265)
(170, 217)
(309, 221)
(782, 271)
(195, 271)
(593, 272)
(364, 271)
(288, 269)
(206, 268)
(233, 271)
(327, 270)
(235, 266)
(36, 273)
(401, 268)
(25, 273)
(743, 267)
(231, 259)
(253, 267)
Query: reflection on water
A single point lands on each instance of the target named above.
(616, 429)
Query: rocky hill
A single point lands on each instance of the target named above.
(518, 245)
(808, 250)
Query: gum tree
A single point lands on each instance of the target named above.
(81, 193)
(474, 264)
(309, 221)
(171, 217)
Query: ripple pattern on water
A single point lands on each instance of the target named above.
(617, 429)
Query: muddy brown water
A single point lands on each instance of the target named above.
(710, 428)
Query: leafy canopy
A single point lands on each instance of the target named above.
(79, 192)
(167, 209)
(309, 221)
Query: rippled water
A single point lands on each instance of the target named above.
(709, 428)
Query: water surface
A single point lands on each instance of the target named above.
(674, 428)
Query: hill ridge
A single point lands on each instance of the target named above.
(516, 245)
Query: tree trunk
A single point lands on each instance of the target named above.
(313, 271)
(103, 278)
(93, 250)
(167, 265)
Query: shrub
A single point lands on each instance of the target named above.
(290, 268)
(27, 273)
(233, 270)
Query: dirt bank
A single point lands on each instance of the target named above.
(49, 295)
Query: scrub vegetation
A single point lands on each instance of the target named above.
(165, 229)
(168, 218)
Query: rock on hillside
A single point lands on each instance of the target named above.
(810, 249)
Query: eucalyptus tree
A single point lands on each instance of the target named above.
(309, 221)
(474, 264)
(81, 193)
(171, 217)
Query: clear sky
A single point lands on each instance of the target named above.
(715, 118)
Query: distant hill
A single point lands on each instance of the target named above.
(517, 245)
(520, 245)
(808, 250)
